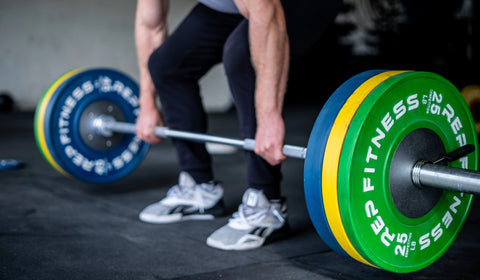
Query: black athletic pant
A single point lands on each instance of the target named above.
(205, 38)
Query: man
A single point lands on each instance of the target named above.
(254, 39)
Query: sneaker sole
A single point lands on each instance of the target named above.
(235, 247)
(173, 218)
(276, 235)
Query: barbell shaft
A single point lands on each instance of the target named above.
(423, 174)
(104, 125)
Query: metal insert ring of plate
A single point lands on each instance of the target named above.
(88, 131)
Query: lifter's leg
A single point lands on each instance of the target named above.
(176, 66)
(241, 79)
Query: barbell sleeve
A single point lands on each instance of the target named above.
(446, 177)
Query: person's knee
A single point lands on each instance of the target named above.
(235, 60)
(161, 65)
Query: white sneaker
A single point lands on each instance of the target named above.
(256, 220)
(186, 201)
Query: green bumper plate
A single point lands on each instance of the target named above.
(398, 107)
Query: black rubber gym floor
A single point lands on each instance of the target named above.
(54, 227)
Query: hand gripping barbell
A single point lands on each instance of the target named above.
(397, 148)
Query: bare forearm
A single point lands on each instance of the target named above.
(272, 69)
(150, 32)
(269, 48)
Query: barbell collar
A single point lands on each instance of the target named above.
(426, 174)
(105, 125)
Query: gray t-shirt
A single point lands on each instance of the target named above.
(225, 6)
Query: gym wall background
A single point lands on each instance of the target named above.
(43, 39)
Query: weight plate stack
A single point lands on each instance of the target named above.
(65, 126)
(39, 120)
(394, 225)
(315, 156)
(332, 156)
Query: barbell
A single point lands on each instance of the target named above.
(389, 166)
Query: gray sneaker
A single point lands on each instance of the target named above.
(186, 201)
(256, 220)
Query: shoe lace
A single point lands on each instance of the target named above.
(248, 217)
(179, 191)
